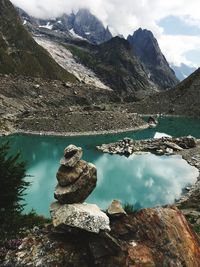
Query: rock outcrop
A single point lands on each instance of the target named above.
(151, 237)
(76, 180)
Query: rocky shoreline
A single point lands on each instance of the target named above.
(83, 235)
(68, 134)
(187, 147)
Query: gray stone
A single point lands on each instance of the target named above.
(80, 189)
(188, 142)
(87, 217)
(116, 209)
(72, 155)
(68, 175)
(173, 146)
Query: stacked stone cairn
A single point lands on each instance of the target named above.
(76, 180)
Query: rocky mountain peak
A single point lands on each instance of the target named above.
(147, 47)
(90, 27)
(82, 24)
(148, 51)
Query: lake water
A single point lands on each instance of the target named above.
(142, 180)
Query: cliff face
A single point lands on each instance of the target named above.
(151, 237)
(148, 51)
(20, 54)
(90, 27)
(117, 66)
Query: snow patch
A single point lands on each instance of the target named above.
(76, 35)
(160, 135)
(48, 26)
(25, 21)
(66, 60)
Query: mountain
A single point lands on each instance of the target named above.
(182, 71)
(117, 66)
(114, 61)
(20, 54)
(82, 25)
(148, 51)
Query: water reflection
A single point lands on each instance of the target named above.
(143, 180)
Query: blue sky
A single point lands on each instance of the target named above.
(177, 26)
(175, 23)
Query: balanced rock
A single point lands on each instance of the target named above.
(72, 155)
(116, 209)
(78, 191)
(68, 175)
(87, 217)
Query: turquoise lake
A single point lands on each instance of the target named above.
(143, 180)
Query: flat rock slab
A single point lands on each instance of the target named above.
(84, 216)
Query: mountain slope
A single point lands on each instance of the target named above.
(182, 100)
(20, 54)
(148, 51)
(114, 62)
(182, 71)
(66, 60)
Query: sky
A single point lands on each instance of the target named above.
(175, 23)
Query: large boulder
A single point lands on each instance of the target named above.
(87, 217)
(80, 189)
(68, 175)
(72, 155)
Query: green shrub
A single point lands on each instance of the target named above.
(12, 191)
(129, 208)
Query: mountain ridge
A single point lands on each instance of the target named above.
(147, 49)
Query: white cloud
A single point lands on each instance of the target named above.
(122, 15)
(125, 16)
(175, 47)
